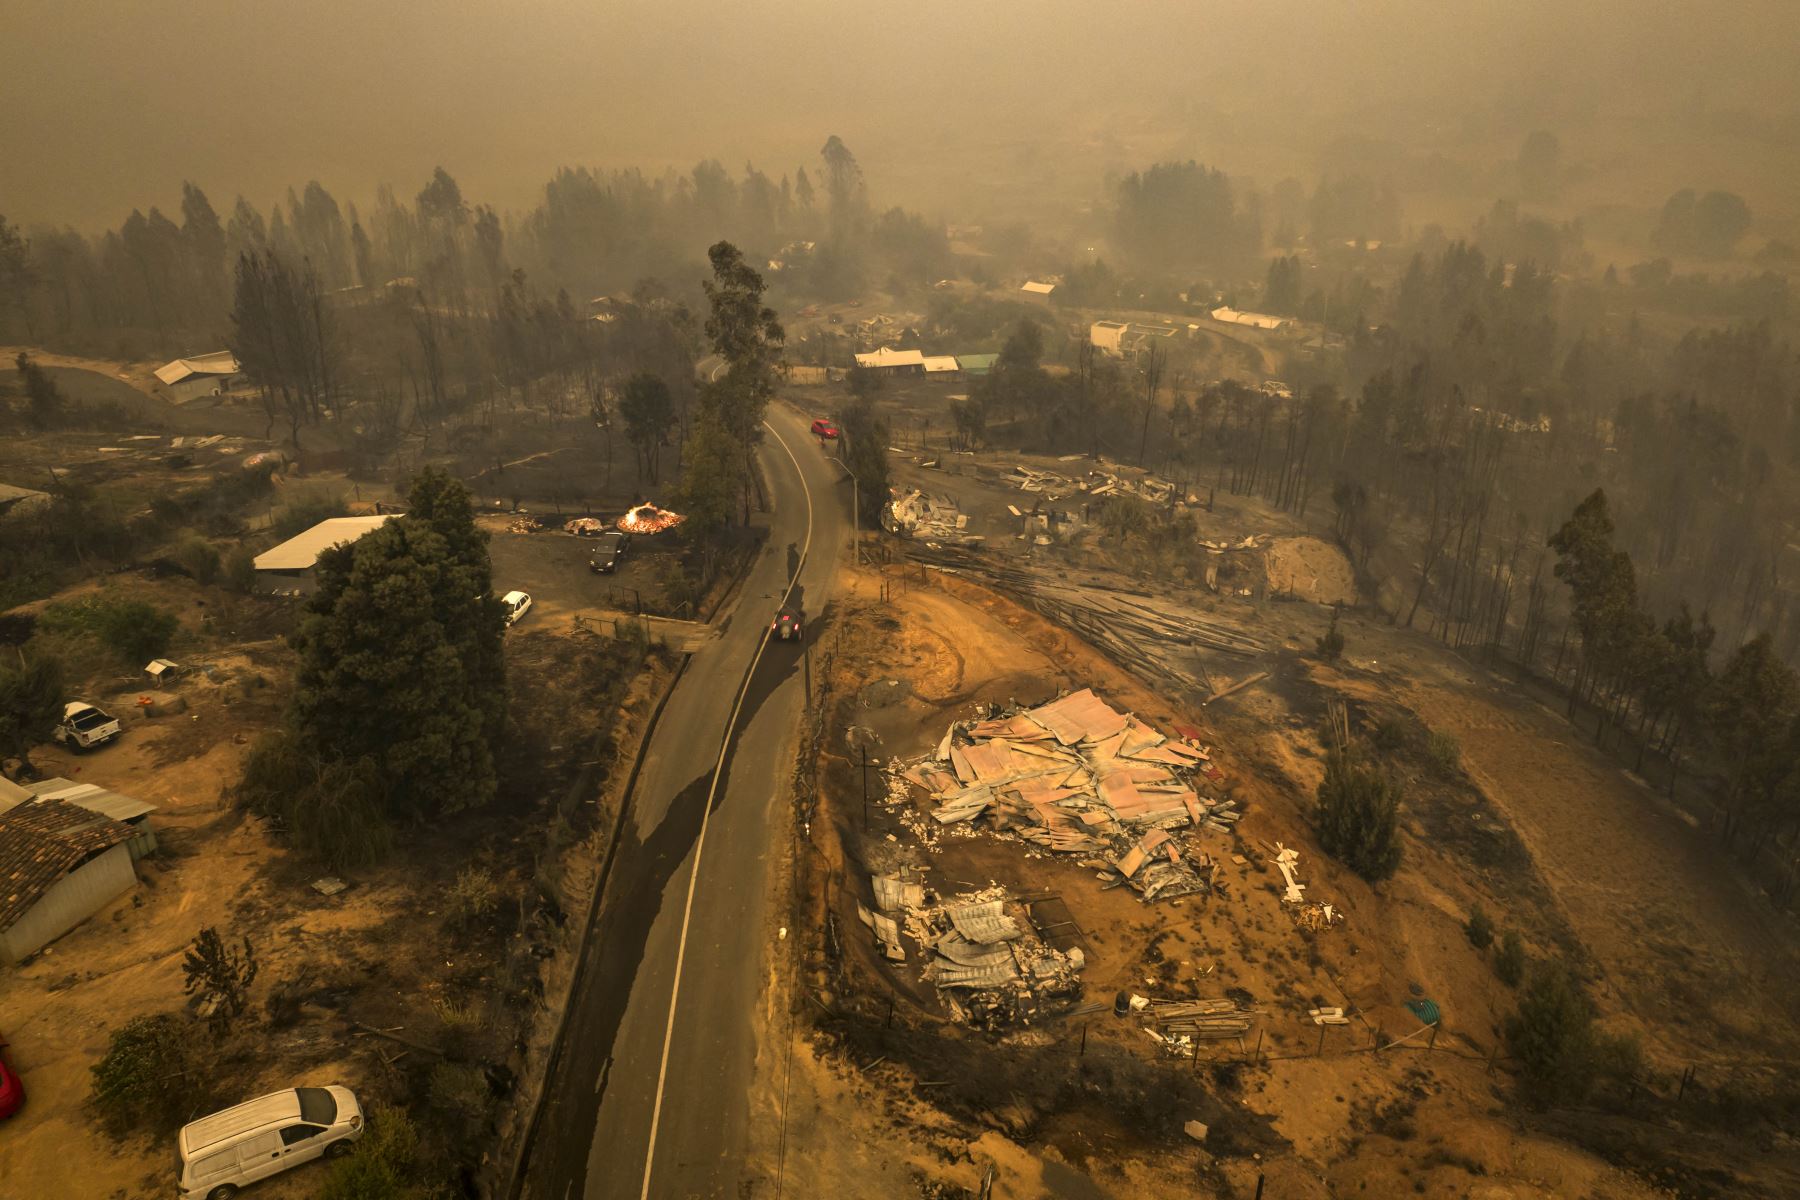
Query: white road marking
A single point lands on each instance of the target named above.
(687, 911)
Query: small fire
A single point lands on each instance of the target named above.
(647, 518)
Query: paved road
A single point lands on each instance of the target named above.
(627, 1063)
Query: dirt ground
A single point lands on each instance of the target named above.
(383, 953)
(886, 1105)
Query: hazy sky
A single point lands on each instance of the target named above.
(107, 104)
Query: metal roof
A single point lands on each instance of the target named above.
(219, 362)
(250, 1115)
(94, 799)
(42, 842)
(887, 356)
(1036, 288)
(940, 362)
(303, 550)
(977, 364)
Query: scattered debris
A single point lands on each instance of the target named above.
(330, 885)
(1288, 861)
(585, 526)
(1328, 1016)
(917, 514)
(524, 524)
(1196, 1130)
(1316, 917)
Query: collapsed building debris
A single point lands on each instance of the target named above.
(584, 526)
(917, 514)
(1178, 1024)
(1079, 777)
(992, 970)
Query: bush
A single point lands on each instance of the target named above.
(197, 556)
(383, 1166)
(240, 570)
(146, 1079)
(136, 631)
(1444, 753)
(460, 1091)
(1390, 735)
(1331, 645)
(331, 811)
(1561, 1055)
(1358, 816)
(1509, 960)
(473, 896)
(1479, 928)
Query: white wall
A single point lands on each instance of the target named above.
(70, 901)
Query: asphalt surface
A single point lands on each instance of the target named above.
(627, 1063)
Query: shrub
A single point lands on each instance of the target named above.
(146, 1077)
(473, 896)
(219, 976)
(197, 556)
(1358, 815)
(460, 1091)
(1444, 753)
(383, 1166)
(1509, 960)
(1390, 735)
(240, 570)
(1561, 1055)
(1479, 928)
(331, 811)
(134, 630)
(1331, 645)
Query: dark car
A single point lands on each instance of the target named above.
(12, 1091)
(609, 549)
(787, 625)
(823, 428)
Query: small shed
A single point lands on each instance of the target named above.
(201, 375)
(161, 670)
(59, 865)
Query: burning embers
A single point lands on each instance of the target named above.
(647, 518)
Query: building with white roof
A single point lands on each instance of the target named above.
(287, 569)
(202, 375)
(904, 362)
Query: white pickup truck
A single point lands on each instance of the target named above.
(85, 726)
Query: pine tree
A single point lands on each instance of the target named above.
(1358, 815)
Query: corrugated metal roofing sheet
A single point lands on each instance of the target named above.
(303, 550)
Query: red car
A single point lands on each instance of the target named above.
(824, 429)
(12, 1091)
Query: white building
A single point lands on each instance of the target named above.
(901, 362)
(59, 865)
(288, 568)
(1109, 336)
(202, 375)
(1032, 287)
(1251, 320)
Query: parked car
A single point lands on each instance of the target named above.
(12, 1088)
(823, 428)
(607, 554)
(219, 1154)
(85, 726)
(517, 604)
(787, 626)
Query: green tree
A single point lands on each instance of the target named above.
(43, 399)
(1358, 816)
(135, 630)
(216, 975)
(384, 1163)
(31, 704)
(865, 436)
(747, 335)
(648, 410)
(1754, 704)
(1561, 1055)
(711, 466)
(149, 1076)
(401, 659)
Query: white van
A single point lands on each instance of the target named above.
(256, 1139)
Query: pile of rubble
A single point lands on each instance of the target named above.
(991, 971)
(1177, 1024)
(1079, 777)
(917, 514)
(647, 518)
(585, 526)
(1096, 484)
